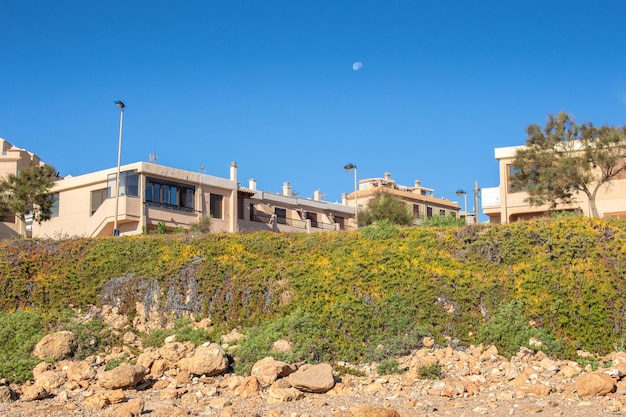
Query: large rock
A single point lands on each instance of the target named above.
(175, 351)
(595, 383)
(79, 371)
(365, 411)
(56, 346)
(268, 370)
(208, 359)
(249, 388)
(316, 378)
(50, 380)
(33, 393)
(7, 394)
(123, 376)
(283, 395)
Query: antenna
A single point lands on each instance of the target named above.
(201, 169)
(153, 157)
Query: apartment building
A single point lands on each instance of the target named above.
(502, 205)
(420, 200)
(153, 196)
(12, 160)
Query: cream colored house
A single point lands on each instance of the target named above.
(505, 206)
(420, 200)
(12, 160)
(152, 195)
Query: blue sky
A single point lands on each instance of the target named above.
(270, 84)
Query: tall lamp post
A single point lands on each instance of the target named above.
(116, 231)
(464, 194)
(352, 167)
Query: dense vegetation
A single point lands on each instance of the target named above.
(366, 295)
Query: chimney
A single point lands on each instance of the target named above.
(233, 171)
(387, 175)
(252, 184)
(286, 189)
(317, 195)
(344, 199)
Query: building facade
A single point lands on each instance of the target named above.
(12, 161)
(502, 205)
(154, 197)
(420, 200)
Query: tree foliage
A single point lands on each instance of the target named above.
(29, 191)
(388, 207)
(565, 158)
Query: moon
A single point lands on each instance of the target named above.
(357, 65)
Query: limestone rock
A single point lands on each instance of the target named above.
(282, 395)
(50, 380)
(7, 394)
(365, 411)
(56, 346)
(79, 371)
(268, 370)
(595, 383)
(208, 359)
(232, 337)
(316, 378)
(132, 408)
(34, 393)
(250, 387)
(282, 346)
(175, 351)
(122, 377)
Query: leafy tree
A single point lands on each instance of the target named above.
(565, 158)
(385, 206)
(28, 191)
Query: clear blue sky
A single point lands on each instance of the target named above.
(270, 84)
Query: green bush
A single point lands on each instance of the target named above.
(19, 333)
(380, 230)
(388, 367)
(432, 371)
(443, 221)
(184, 331)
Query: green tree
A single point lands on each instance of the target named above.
(27, 192)
(385, 206)
(565, 158)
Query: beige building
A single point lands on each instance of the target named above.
(420, 200)
(12, 160)
(154, 197)
(502, 205)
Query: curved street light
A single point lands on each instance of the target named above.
(352, 167)
(116, 231)
(463, 193)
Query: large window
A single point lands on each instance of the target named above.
(54, 209)
(129, 184)
(215, 206)
(281, 215)
(97, 198)
(169, 194)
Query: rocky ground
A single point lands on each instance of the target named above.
(179, 379)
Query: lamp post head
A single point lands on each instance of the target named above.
(120, 104)
(349, 167)
(460, 192)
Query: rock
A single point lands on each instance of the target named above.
(132, 408)
(34, 393)
(268, 370)
(56, 346)
(175, 351)
(7, 394)
(50, 380)
(365, 411)
(115, 396)
(40, 368)
(595, 383)
(282, 395)
(79, 371)
(282, 346)
(315, 378)
(148, 357)
(570, 371)
(232, 337)
(208, 359)
(123, 376)
(250, 387)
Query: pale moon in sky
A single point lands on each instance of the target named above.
(357, 65)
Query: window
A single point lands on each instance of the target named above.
(429, 212)
(97, 198)
(416, 211)
(215, 206)
(129, 184)
(54, 209)
(442, 212)
(281, 215)
(169, 194)
(313, 218)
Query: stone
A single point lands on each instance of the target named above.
(315, 378)
(50, 380)
(123, 376)
(365, 411)
(175, 351)
(40, 368)
(232, 337)
(282, 395)
(7, 394)
(34, 393)
(282, 346)
(79, 371)
(570, 371)
(208, 359)
(56, 346)
(132, 408)
(268, 370)
(594, 383)
(250, 387)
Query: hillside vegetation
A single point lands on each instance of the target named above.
(366, 295)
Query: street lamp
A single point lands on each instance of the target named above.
(464, 194)
(476, 192)
(352, 167)
(116, 231)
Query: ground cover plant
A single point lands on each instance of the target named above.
(369, 295)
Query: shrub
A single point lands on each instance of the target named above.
(388, 367)
(379, 230)
(19, 333)
(430, 371)
(184, 331)
(443, 221)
